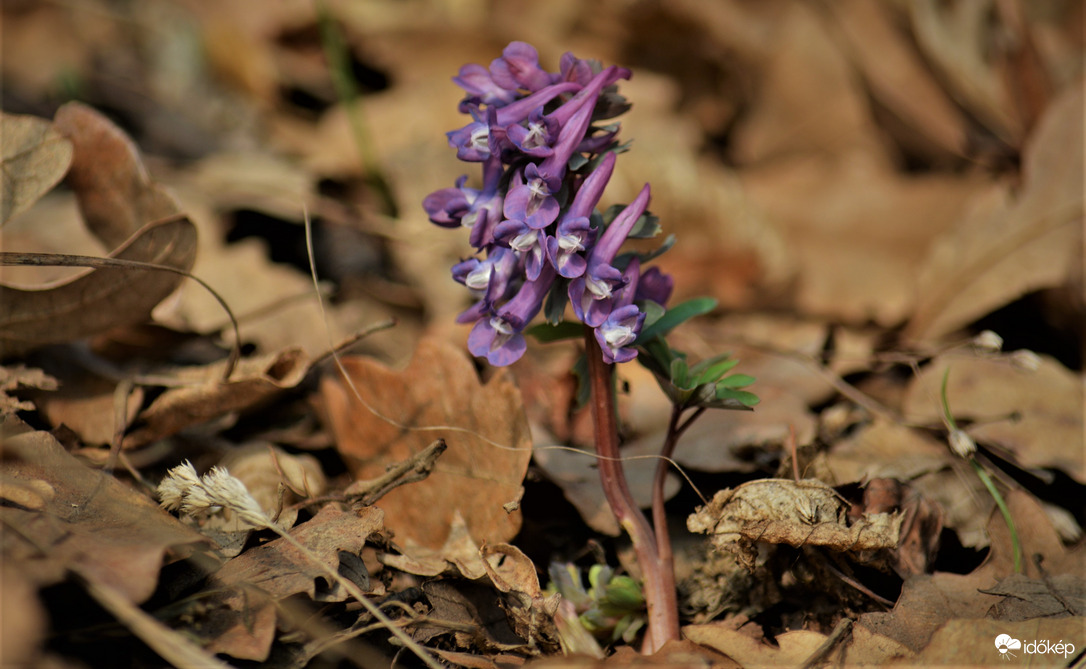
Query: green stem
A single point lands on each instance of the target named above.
(660, 595)
(1002, 504)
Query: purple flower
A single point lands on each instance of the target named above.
(654, 285)
(528, 242)
(531, 201)
(472, 142)
(477, 210)
(574, 234)
(519, 68)
(477, 81)
(534, 138)
(498, 337)
(489, 279)
(622, 325)
(618, 332)
(592, 294)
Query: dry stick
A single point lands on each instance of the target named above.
(94, 262)
(660, 595)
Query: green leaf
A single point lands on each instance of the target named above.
(676, 316)
(680, 375)
(711, 369)
(745, 398)
(735, 381)
(646, 227)
(554, 308)
(653, 312)
(546, 333)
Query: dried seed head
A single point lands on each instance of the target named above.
(1026, 359)
(988, 341)
(962, 444)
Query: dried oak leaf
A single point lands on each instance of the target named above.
(131, 215)
(438, 396)
(33, 158)
(87, 522)
(19, 376)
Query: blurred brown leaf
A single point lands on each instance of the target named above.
(1014, 240)
(89, 521)
(484, 426)
(128, 212)
(34, 158)
(18, 376)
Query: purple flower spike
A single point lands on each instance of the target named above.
(498, 338)
(488, 278)
(532, 201)
(519, 68)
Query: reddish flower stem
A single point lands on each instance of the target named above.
(659, 588)
(659, 514)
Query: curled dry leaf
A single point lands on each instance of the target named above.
(33, 158)
(203, 394)
(438, 396)
(797, 513)
(130, 214)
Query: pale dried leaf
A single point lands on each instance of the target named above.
(33, 158)
(797, 513)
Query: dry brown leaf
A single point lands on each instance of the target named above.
(203, 394)
(1014, 240)
(928, 602)
(23, 622)
(489, 445)
(131, 215)
(90, 522)
(1049, 401)
(460, 551)
(856, 230)
(13, 377)
(281, 570)
(1026, 598)
(809, 101)
(34, 158)
(970, 643)
(959, 39)
(86, 404)
(792, 649)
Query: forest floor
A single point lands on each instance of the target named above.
(885, 200)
